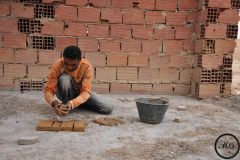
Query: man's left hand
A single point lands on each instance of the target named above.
(66, 108)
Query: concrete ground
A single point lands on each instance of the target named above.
(193, 138)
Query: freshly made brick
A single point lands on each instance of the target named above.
(79, 126)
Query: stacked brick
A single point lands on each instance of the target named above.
(216, 33)
(235, 70)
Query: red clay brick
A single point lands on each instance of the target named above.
(163, 32)
(14, 40)
(172, 47)
(225, 46)
(52, 1)
(1, 70)
(176, 18)
(224, 16)
(100, 87)
(142, 32)
(216, 31)
(192, 17)
(188, 45)
(75, 29)
(62, 42)
(142, 88)
(133, 16)
(106, 74)
(144, 4)
(53, 28)
(122, 3)
(184, 32)
(98, 30)
(154, 17)
(88, 44)
(6, 55)
(26, 56)
(120, 88)
(117, 60)
(131, 46)
(169, 5)
(168, 75)
(163, 89)
(66, 13)
(185, 76)
(1, 40)
(182, 89)
(38, 71)
(48, 57)
(5, 23)
(188, 4)
(219, 3)
(121, 31)
(100, 3)
(138, 60)
(211, 61)
(127, 73)
(154, 46)
(4, 9)
(208, 90)
(19, 10)
(159, 61)
(6, 83)
(89, 14)
(109, 46)
(179, 61)
(96, 59)
(77, 2)
(111, 15)
(148, 75)
(15, 70)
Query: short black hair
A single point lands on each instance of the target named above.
(72, 52)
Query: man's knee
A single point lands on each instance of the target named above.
(65, 80)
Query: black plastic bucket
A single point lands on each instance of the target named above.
(151, 110)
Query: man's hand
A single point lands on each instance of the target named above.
(57, 106)
(66, 108)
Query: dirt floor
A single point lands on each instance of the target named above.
(192, 139)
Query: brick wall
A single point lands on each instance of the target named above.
(140, 46)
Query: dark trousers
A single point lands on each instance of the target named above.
(68, 90)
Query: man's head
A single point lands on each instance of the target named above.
(72, 56)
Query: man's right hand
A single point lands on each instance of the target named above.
(57, 106)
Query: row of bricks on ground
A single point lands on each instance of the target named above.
(208, 90)
(108, 74)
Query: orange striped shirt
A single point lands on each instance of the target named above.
(82, 77)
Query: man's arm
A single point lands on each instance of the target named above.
(85, 90)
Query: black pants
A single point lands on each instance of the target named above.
(68, 90)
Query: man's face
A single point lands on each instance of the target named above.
(71, 64)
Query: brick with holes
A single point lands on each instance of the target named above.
(169, 5)
(156, 61)
(142, 88)
(169, 75)
(77, 2)
(184, 32)
(148, 75)
(53, 28)
(152, 46)
(225, 46)
(111, 15)
(163, 32)
(98, 30)
(138, 60)
(144, 4)
(15, 70)
(109, 45)
(205, 46)
(14, 40)
(89, 15)
(219, 3)
(216, 31)
(66, 13)
(88, 44)
(21, 10)
(75, 29)
(48, 57)
(133, 16)
(127, 73)
(124, 4)
(5, 23)
(26, 56)
(6, 55)
(163, 89)
(142, 32)
(176, 18)
(63, 42)
(121, 31)
(106, 74)
(100, 3)
(117, 60)
(4, 9)
(154, 17)
(38, 71)
(100, 87)
(131, 46)
(120, 88)
(224, 16)
(172, 47)
(96, 59)
(188, 4)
